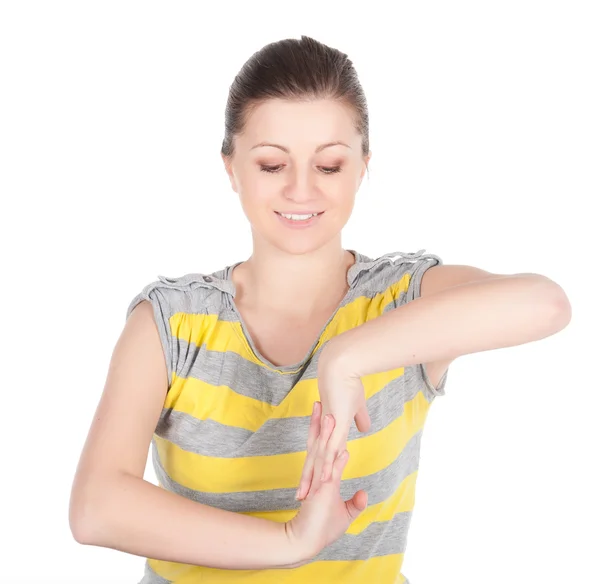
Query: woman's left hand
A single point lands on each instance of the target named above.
(342, 395)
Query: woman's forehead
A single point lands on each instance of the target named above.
(292, 123)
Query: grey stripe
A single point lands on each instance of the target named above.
(379, 539)
(151, 577)
(279, 435)
(379, 486)
(235, 371)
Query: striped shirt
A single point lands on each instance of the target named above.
(232, 433)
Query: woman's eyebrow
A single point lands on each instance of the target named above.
(287, 150)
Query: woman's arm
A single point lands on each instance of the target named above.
(113, 506)
(129, 514)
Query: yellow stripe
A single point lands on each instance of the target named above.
(368, 455)
(377, 569)
(221, 404)
(217, 402)
(402, 500)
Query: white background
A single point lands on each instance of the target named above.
(485, 136)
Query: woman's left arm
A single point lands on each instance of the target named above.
(495, 312)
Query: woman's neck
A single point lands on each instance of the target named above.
(297, 286)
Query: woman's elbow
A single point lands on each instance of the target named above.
(84, 517)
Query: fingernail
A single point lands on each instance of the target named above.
(297, 494)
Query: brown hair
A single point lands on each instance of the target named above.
(294, 69)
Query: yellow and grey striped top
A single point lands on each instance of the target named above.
(232, 433)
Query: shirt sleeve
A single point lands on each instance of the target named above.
(411, 268)
(158, 296)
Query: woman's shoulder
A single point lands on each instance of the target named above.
(190, 292)
(392, 265)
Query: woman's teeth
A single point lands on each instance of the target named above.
(298, 217)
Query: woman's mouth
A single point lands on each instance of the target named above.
(299, 219)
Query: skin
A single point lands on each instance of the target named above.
(296, 272)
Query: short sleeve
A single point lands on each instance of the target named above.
(411, 268)
(158, 296)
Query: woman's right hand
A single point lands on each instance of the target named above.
(325, 516)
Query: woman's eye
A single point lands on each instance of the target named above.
(325, 169)
(270, 168)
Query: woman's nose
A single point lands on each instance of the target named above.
(301, 187)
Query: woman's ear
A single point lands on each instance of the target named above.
(228, 163)
(367, 158)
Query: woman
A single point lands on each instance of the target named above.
(247, 381)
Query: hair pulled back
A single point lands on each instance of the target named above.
(294, 69)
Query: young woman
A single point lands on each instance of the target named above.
(250, 381)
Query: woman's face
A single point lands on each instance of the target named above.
(299, 172)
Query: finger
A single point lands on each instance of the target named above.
(309, 463)
(362, 419)
(334, 447)
(357, 504)
(315, 425)
(324, 445)
(338, 466)
(321, 446)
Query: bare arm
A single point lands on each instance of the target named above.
(113, 506)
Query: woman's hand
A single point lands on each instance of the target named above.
(326, 516)
(343, 396)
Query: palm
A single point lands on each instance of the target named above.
(325, 517)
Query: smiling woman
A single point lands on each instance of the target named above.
(230, 375)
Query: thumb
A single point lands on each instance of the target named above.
(362, 419)
(357, 504)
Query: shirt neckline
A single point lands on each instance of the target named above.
(358, 264)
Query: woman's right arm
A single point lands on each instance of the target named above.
(113, 506)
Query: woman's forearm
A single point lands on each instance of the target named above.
(468, 318)
(132, 515)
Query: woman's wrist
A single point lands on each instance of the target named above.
(299, 551)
